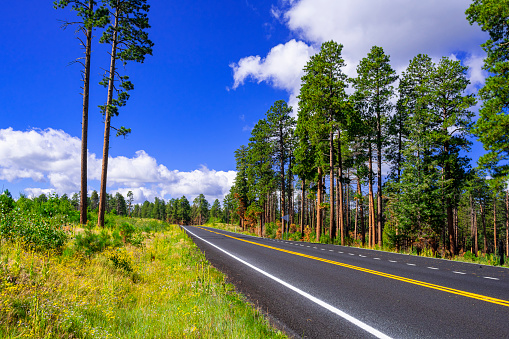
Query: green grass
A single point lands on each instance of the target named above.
(163, 289)
(231, 228)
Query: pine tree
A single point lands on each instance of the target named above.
(280, 125)
(260, 172)
(323, 110)
(373, 84)
(449, 124)
(129, 42)
(492, 127)
(91, 18)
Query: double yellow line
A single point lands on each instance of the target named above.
(381, 274)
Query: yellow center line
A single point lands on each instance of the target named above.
(381, 274)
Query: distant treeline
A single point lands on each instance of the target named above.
(176, 211)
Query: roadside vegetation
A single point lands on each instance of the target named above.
(274, 231)
(134, 278)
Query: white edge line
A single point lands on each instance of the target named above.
(329, 307)
(491, 278)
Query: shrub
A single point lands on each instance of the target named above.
(469, 256)
(34, 231)
(270, 230)
(307, 234)
(293, 228)
(121, 259)
(297, 236)
(90, 242)
(325, 239)
(126, 231)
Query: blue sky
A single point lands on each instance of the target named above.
(217, 67)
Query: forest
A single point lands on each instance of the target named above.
(383, 160)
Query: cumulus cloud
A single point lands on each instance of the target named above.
(476, 74)
(53, 157)
(281, 68)
(403, 28)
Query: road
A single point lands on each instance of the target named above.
(326, 291)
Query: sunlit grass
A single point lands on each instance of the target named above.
(166, 289)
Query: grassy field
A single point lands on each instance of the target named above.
(162, 287)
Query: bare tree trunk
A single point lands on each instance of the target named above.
(472, 226)
(495, 223)
(84, 124)
(485, 249)
(456, 230)
(347, 205)
(379, 184)
(357, 209)
(370, 201)
(332, 225)
(107, 123)
(318, 205)
(340, 188)
(337, 200)
(507, 223)
(302, 208)
(476, 234)
(361, 202)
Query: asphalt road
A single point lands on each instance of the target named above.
(326, 291)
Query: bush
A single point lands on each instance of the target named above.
(469, 256)
(121, 260)
(270, 230)
(34, 231)
(126, 231)
(325, 239)
(297, 236)
(90, 242)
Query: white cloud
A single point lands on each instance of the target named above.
(281, 68)
(402, 28)
(475, 73)
(53, 157)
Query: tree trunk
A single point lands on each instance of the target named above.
(337, 214)
(361, 205)
(347, 205)
(371, 201)
(84, 124)
(282, 176)
(507, 223)
(379, 181)
(495, 223)
(357, 211)
(340, 188)
(332, 225)
(107, 124)
(472, 227)
(318, 207)
(302, 206)
(483, 228)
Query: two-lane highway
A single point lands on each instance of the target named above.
(325, 291)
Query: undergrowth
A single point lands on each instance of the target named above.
(133, 279)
